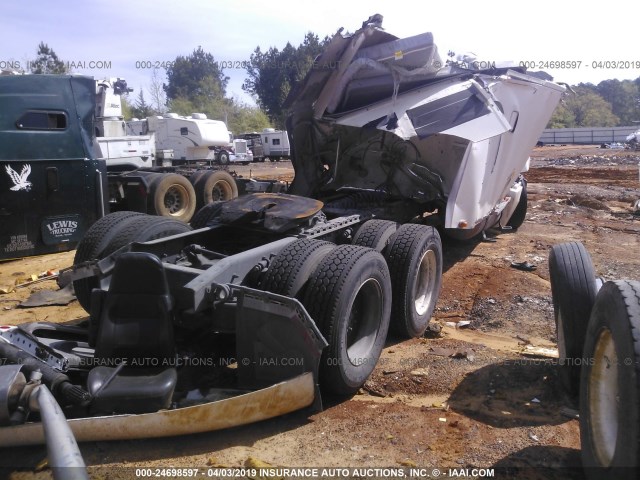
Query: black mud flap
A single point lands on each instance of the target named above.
(276, 340)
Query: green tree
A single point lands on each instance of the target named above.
(245, 118)
(562, 118)
(194, 76)
(274, 73)
(141, 109)
(585, 108)
(239, 117)
(47, 61)
(624, 99)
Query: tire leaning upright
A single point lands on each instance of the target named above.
(610, 385)
(573, 288)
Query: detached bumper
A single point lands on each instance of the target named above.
(279, 399)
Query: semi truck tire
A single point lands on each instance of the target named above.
(116, 232)
(172, 195)
(349, 298)
(91, 246)
(414, 257)
(519, 214)
(291, 268)
(142, 229)
(98, 236)
(610, 384)
(223, 158)
(206, 215)
(375, 234)
(573, 290)
(195, 176)
(213, 186)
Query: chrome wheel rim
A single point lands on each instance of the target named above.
(425, 282)
(604, 398)
(364, 320)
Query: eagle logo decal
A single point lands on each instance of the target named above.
(20, 180)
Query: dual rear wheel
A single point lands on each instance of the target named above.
(174, 196)
(390, 278)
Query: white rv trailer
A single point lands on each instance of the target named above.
(270, 144)
(159, 140)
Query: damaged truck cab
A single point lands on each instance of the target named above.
(272, 298)
(391, 119)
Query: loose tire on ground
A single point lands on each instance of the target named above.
(375, 234)
(573, 288)
(116, 232)
(349, 298)
(610, 384)
(213, 186)
(206, 215)
(519, 214)
(291, 268)
(414, 257)
(172, 195)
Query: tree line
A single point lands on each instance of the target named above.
(610, 103)
(197, 83)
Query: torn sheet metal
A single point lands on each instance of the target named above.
(462, 110)
(392, 117)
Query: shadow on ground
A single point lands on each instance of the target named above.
(511, 393)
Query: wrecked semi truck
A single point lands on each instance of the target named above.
(273, 298)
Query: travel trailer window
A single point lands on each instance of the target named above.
(39, 120)
(276, 141)
(184, 131)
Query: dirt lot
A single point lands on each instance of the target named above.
(465, 397)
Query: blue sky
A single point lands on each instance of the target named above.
(121, 33)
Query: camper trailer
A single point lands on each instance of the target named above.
(166, 140)
(271, 144)
(193, 138)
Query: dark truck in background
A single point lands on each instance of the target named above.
(51, 186)
(53, 183)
